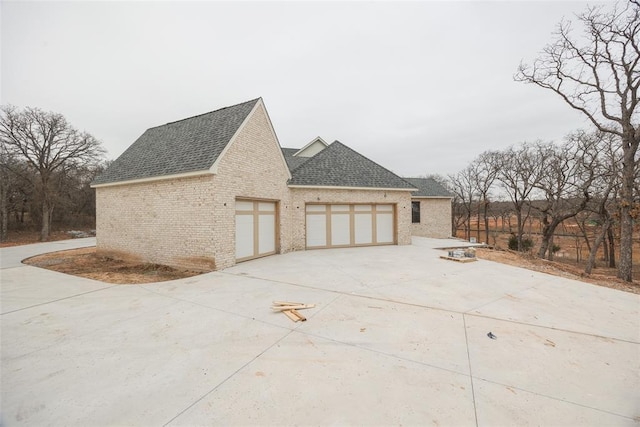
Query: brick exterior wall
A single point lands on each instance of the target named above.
(301, 196)
(164, 222)
(190, 222)
(251, 168)
(435, 218)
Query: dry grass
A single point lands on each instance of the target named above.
(86, 263)
(601, 277)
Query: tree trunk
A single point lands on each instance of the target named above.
(44, 230)
(583, 229)
(454, 223)
(486, 222)
(612, 248)
(594, 250)
(629, 149)
(520, 226)
(467, 230)
(546, 246)
(478, 225)
(4, 212)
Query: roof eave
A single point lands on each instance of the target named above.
(153, 179)
(432, 197)
(337, 187)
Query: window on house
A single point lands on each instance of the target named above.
(415, 212)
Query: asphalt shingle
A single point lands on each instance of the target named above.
(340, 166)
(293, 161)
(428, 187)
(187, 145)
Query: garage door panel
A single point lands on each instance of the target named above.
(244, 205)
(363, 231)
(266, 234)
(316, 230)
(267, 207)
(255, 228)
(340, 229)
(343, 225)
(384, 228)
(244, 236)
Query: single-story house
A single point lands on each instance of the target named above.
(215, 189)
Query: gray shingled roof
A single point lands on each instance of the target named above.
(427, 187)
(187, 145)
(293, 161)
(340, 166)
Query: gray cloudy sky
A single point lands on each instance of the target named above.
(420, 87)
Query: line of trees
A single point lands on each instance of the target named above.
(46, 167)
(598, 74)
(579, 178)
(592, 175)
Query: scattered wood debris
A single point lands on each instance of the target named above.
(290, 309)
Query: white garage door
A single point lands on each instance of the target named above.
(255, 229)
(330, 226)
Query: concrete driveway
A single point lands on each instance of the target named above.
(398, 336)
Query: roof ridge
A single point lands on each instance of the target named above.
(342, 171)
(362, 155)
(209, 112)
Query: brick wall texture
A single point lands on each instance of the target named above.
(190, 222)
(435, 218)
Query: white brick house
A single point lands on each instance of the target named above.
(211, 190)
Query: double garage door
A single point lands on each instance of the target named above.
(331, 226)
(255, 229)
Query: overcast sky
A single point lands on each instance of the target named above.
(419, 87)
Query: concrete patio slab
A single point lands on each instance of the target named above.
(427, 336)
(27, 286)
(140, 372)
(243, 296)
(571, 305)
(398, 336)
(500, 405)
(309, 380)
(589, 371)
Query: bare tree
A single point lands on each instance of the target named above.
(519, 171)
(462, 185)
(600, 76)
(485, 167)
(48, 143)
(5, 185)
(607, 183)
(569, 172)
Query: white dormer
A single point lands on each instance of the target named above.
(312, 148)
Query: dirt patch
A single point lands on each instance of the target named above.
(606, 276)
(87, 263)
